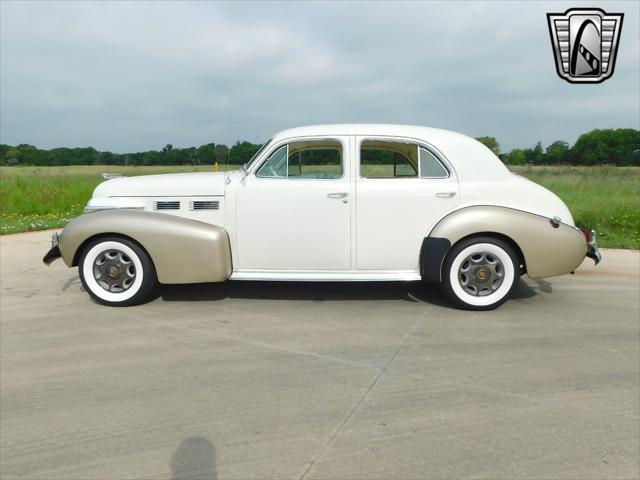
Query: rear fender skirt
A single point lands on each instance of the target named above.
(182, 250)
(549, 248)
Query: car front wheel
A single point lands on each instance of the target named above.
(480, 273)
(117, 272)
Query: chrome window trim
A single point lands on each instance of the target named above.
(271, 153)
(419, 143)
(437, 160)
(285, 142)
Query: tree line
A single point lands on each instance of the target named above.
(620, 146)
(207, 154)
(609, 146)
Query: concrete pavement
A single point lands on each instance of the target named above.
(284, 380)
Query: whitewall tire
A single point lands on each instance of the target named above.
(480, 273)
(116, 271)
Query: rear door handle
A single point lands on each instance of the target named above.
(337, 195)
(446, 194)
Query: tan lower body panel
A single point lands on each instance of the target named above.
(182, 250)
(547, 251)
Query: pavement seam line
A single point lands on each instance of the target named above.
(372, 384)
(271, 346)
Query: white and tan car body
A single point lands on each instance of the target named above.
(210, 227)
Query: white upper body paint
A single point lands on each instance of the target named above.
(333, 228)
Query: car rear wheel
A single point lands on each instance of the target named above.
(480, 273)
(117, 272)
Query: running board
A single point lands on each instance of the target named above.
(265, 275)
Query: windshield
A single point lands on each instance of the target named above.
(256, 155)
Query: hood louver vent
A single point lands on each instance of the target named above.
(166, 205)
(204, 205)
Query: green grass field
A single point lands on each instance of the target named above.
(604, 198)
(37, 198)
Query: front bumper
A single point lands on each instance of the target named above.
(54, 252)
(593, 251)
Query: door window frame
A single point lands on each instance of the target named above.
(451, 173)
(344, 145)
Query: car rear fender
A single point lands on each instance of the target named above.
(548, 247)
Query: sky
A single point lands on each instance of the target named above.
(133, 76)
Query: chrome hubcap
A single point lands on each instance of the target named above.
(481, 274)
(114, 271)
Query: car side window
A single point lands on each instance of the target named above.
(383, 159)
(276, 164)
(430, 166)
(314, 159)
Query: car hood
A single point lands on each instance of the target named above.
(167, 185)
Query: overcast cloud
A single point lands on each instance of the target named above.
(130, 76)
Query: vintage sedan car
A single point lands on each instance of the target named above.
(330, 203)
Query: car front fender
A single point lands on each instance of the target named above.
(548, 247)
(182, 250)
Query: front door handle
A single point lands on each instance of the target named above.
(337, 195)
(446, 194)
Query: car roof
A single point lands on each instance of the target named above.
(470, 159)
(378, 129)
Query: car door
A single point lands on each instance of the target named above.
(293, 210)
(402, 188)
